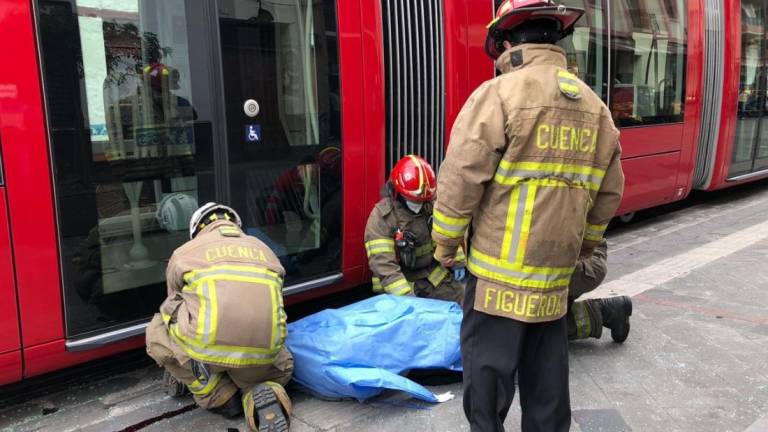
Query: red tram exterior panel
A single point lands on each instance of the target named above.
(657, 102)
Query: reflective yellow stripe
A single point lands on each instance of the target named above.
(512, 173)
(424, 250)
(197, 388)
(376, 282)
(525, 229)
(437, 275)
(511, 226)
(223, 354)
(194, 275)
(450, 227)
(460, 257)
(398, 287)
(594, 232)
(519, 275)
(379, 246)
(201, 311)
(166, 318)
(213, 316)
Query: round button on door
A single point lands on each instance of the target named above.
(251, 108)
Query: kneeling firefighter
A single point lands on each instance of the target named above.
(398, 237)
(220, 333)
(587, 318)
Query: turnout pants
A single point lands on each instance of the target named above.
(493, 349)
(448, 290)
(223, 382)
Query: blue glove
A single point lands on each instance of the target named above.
(459, 273)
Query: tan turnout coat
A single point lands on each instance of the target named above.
(533, 166)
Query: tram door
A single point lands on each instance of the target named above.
(750, 149)
(9, 338)
(158, 106)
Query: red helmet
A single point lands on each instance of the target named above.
(414, 179)
(512, 13)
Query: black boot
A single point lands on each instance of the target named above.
(173, 387)
(616, 312)
(232, 409)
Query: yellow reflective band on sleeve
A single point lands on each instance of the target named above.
(512, 173)
(450, 227)
(166, 318)
(437, 275)
(594, 232)
(379, 246)
(514, 274)
(398, 287)
(199, 389)
(460, 257)
(376, 285)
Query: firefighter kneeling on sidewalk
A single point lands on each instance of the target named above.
(398, 237)
(220, 333)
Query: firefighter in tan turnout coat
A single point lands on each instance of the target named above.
(220, 333)
(398, 237)
(533, 175)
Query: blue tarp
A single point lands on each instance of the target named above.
(361, 349)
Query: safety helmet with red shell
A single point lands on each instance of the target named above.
(414, 179)
(513, 13)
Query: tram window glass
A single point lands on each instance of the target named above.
(648, 43)
(586, 47)
(750, 124)
(130, 127)
(287, 182)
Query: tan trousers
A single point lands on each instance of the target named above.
(224, 381)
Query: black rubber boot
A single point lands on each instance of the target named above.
(173, 388)
(616, 312)
(267, 410)
(232, 409)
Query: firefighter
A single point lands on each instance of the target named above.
(220, 333)
(533, 166)
(588, 317)
(398, 241)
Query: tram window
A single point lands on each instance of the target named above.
(751, 123)
(130, 125)
(586, 47)
(648, 63)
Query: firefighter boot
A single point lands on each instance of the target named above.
(267, 408)
(616, 312)
(231, 409)
(173, 387)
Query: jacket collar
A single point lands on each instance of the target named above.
(531, 55)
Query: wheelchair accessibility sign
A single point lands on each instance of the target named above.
(253, 133)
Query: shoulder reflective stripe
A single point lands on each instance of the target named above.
(518, 275)
(437, 275)
(398, 287)
(569, 84)
(510, 173)
(594, 232)
(197, 388)
(223, 354)
(449, 226)
(380, 246)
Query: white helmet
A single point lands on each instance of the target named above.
(206, 210)
(174, 211)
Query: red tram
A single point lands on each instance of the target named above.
(118, 116)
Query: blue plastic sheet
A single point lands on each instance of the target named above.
(361, 349)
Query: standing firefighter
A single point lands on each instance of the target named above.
(533, 165)
(586, 318)
(221, 330)
(398, 241)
